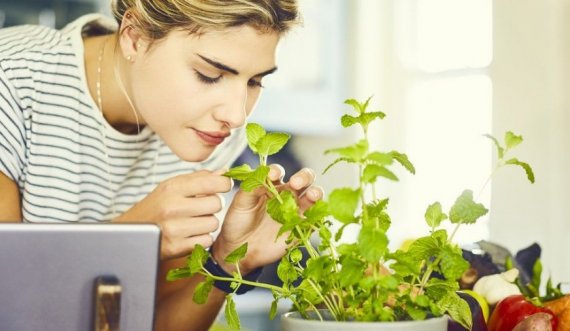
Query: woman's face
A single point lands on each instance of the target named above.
(193, 89)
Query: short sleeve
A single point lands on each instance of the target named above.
(12, 133)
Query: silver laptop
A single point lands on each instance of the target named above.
(48, 273)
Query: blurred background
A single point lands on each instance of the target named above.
(445, 72)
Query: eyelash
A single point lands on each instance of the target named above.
(209, 80)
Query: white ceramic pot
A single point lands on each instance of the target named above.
(294, 322)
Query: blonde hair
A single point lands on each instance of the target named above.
(156, 18)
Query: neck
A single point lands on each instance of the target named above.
(116, 107)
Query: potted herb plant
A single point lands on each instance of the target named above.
(361, 285)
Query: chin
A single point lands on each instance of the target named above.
(195, 156)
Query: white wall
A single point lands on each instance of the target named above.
(531, 77)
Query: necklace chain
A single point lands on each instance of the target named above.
(102, 126)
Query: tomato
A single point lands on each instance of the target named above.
(513, 309)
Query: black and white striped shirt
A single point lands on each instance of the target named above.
(51, 133)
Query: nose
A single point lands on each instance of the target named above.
(233, 110)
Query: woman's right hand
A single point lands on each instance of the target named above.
(183, 207)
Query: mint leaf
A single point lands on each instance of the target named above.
(379, 158)
(318, 211)
(363, 119)
(353, 153)
(273, 310)
(271, 143)
(237, 254)
(255, 179)
(452, 263)
(465, 210)
(197, 259)
(360, 108)
(343, 203)
(254, 132)
(437, 289)
(372, 243)
(351, 271)
(239, 173)
(340, 159)
(457, 308)
(404, 161)
(525, 166)
(434, 215)
(282, 211)
(286, 272)
(202, 291)
(512, 140)
(296, 255)
(500, 149)
(372, 172)
(178, 273)
(231, 313)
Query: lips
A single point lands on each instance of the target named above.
(212, 138)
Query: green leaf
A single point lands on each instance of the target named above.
(202, 291)
(231, 313)
(340, 159)
(437, 289)
(512, 140)
(343, 203)
(358, 107)
(319, 268)
(239, 173)
(372, 172)
(197, 259)
(284, 211)
(318, 211)
(500, 149)
(379, 158)
(237, 254)
(254, 132)
(465, 210)
(415, 313)
(351, 272)
(372, 243)
(272, 143)
(536, 277)
(404, 161)
(457, 308)
(273, 311)
(434, 215)
(255, 179)
(178, 273)
(452, 263)
(525, 166)
(353, 153)
(296, 255)
(286, 272)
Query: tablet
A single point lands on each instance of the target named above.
(48, 274)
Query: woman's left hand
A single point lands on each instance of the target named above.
(247, 221)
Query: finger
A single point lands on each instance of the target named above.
(311, 195)
(276, 173)
(302, 179)
(179, 229)
(196, 206)
(184, 247)
(202, 182)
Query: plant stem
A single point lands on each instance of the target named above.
(243, 281)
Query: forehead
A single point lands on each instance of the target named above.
(244, 48)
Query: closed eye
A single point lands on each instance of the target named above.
(207, 79)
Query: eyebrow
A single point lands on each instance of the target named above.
(231, 70)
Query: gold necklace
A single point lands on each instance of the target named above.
(102, 126)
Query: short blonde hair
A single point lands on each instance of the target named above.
(156, 18)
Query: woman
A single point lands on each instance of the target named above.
(138, 124)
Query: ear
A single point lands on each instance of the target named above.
(131, 39)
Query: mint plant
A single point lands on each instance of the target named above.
(364, 280)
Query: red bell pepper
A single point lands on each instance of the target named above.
(513, 309)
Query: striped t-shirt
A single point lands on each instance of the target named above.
(70, 164)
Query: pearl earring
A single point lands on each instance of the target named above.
(129, 58)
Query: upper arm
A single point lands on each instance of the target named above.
(10, 210)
